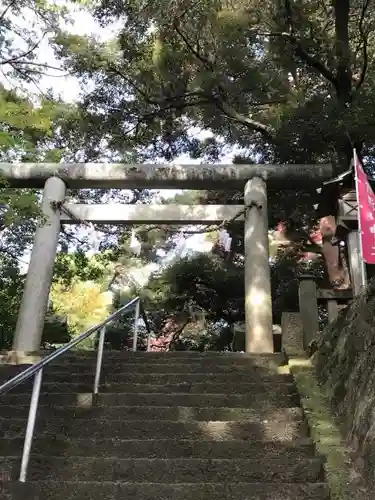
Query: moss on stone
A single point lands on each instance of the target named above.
(344, 362)
(344, 482)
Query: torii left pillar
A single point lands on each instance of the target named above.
(34, 302)
(258, 302)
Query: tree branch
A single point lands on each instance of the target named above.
(15, 59)
(342, 46)
(72, 237)
(163, 105)
(43, 65)
(177, 333)
(8, 252)
(327, 10)
(314, 63)
(176, 102)
(206, 63)
(27, 76)
(299, 50)
(9, 6)
(118, 72)
(221, 102)
(187, 8)
(244, 120)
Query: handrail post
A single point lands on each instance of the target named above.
(136, 321)
(149, 334)
(34, 403)
(99, 360)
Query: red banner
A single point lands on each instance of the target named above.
(366, 211)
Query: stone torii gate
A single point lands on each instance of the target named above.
(253, 179)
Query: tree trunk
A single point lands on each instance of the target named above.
(343, 53)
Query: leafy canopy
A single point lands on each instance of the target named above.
(290, 80)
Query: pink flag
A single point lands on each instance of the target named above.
(366, 211)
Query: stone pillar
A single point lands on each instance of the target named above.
(34, 302)
(333, 310)
(308, 308)
(292, 332)
(258, 303)
(356, 264)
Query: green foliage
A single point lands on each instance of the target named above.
(290, 80)
(24, 24)
(77, 265)
(203, 280)
(11, 285)
(83, 303)
(56, 330)
(216, 287)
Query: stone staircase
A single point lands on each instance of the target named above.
(166, 426)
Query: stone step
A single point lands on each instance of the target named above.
(179, 356)
(158, 429)
(166, 388)
(155, 491)
(120, 366)
(281, 469)
(52, 376)
(178, 413)
(160, 448)
(258, 401)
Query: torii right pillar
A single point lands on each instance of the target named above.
(258, 302)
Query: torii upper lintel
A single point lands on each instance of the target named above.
(164, 176)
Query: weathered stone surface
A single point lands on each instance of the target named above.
(183, 470)
(356, 265)
(345, 365)
(161, 448)
(308, 307)
(57, 377)
(163, 367)
(344, 482)
(258, 301)
(122, 214)
(167, 429)
(291, 328)
(99, 175)
(180, 388)
(192, 358)
(35, 298)
(326, 294)
(269, 400)
(156, 491)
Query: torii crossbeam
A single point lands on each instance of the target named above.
(171, 176)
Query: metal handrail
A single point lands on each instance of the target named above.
(37, 371)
